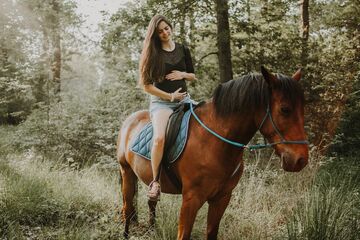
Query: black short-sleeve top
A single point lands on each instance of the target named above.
(179, 59)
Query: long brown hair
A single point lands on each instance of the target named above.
(151, 64)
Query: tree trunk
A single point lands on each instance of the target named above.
(304, 8)
(182, 18)
(39, 87)
(223, 40)
(304, 33)
(192, 43)
(56, 64)
(248, 65)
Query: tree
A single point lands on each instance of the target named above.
(31, 53)
(54, 18)
(56, 36)
(332, 65)
(305, 28)
(347, 140)
(223, 40)
(15, 72)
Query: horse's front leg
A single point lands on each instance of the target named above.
(191, 203)
(216, 210)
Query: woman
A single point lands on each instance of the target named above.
(164, 67)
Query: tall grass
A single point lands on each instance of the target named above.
(331, 208)
(53, 201)
(28, 201)
(44, 200)
(263, 198)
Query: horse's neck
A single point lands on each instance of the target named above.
(240, 128)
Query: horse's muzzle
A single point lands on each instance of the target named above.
(294, 162)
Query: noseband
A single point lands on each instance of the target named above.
(256, 146)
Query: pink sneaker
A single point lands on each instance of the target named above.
(154, 191)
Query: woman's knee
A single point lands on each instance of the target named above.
(159, 126)
(158, 141)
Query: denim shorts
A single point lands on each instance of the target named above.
(162, 104)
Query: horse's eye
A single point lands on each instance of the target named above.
(285, 110)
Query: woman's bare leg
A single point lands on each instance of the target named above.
(159, 120)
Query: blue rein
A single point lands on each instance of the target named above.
(251, 147)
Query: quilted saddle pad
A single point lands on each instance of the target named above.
(143, 141)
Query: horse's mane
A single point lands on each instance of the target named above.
(251, 91)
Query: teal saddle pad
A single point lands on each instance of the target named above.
(143, 142)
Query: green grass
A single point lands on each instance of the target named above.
(41, 199)
(331, 208)
(27, 201)
(55, 202)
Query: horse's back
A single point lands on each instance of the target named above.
(136, 118)
(129, 129)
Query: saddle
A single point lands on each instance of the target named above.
(175, 140)
(172, 131)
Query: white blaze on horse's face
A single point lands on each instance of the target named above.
(287, 125)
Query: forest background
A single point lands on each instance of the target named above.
(64, 93)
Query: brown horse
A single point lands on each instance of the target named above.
(210, 168)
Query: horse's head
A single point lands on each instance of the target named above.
(285, 120)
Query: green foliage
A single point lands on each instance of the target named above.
(26, 43)
(15, 94)
(347, 140)
(81, 133)
(265, 33)
(14, 104)
(333, 62)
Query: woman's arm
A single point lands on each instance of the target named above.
(189, 76)
(177, 75)
(151, 89)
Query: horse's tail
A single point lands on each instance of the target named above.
(128, 179)
(120, 147)
(120, 155)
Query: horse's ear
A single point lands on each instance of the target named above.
(268, 76)
(297, 75)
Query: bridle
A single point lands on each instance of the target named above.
(251, 147)
(256, 146)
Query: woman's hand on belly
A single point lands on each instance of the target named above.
(175, 75)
